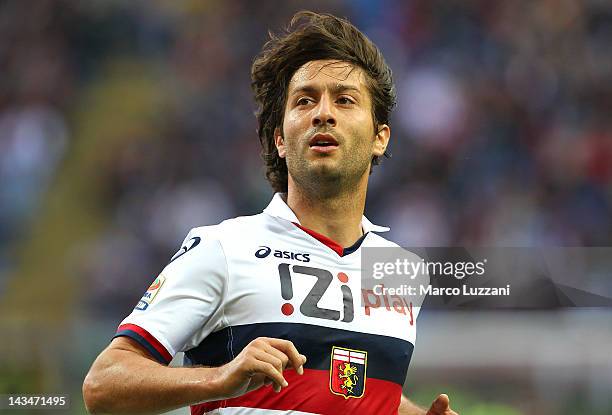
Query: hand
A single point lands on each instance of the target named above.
(441, 406)
(260, 363)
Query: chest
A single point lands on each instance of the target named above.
(314, 298)
(309, 284)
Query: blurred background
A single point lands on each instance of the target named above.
(124, 124)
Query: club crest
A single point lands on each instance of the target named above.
(347, 374)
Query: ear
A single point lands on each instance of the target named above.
(279, 142)
(381, 140)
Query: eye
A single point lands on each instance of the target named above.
(303, 101)
(345, 101)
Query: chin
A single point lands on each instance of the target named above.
(324, 168)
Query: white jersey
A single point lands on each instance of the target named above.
(266, 275)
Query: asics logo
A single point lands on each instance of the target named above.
(264, 251)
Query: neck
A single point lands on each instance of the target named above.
(336, 215)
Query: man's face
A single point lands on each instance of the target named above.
(328, 134)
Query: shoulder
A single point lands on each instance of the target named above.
(213, 246)
(226, 237)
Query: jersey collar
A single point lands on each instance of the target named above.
(279, 209)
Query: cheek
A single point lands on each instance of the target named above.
(288, 126)
(363, 131)
(293, 120)
(295, 127)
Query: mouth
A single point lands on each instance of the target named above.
(323, 143)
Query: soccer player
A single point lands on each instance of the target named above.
(267, 307)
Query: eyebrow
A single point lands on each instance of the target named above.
(335, 88)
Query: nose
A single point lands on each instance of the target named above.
(323, 114)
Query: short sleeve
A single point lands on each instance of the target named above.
(185, 300)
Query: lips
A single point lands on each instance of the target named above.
(323, 143)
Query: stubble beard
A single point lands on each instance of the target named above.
(322, 180)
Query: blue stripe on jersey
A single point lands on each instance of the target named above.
(388, 357)
(144, 343)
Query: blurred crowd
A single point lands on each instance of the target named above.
(35, 82)
(502, 135)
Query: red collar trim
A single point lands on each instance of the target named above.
(335, 246)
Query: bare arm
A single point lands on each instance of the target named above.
(125, 379)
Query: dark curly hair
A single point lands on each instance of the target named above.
(312, 36)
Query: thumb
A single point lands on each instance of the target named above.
(440, 405)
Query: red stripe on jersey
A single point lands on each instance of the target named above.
(310, 393)
(149, 338)
(330, 243)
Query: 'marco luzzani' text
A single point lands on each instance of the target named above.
(406, 289)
